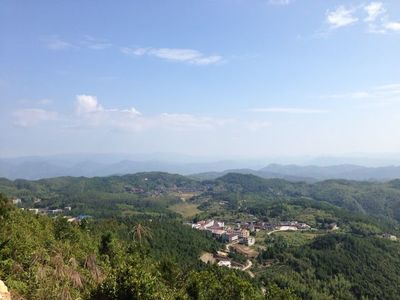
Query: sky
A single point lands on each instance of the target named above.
(220, 78)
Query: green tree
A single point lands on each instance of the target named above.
(5, 207)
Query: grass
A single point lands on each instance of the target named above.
(296, 238)
(184, 196)
(187, 210)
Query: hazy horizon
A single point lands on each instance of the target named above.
(360, 159)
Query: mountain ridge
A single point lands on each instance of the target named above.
(34, 168)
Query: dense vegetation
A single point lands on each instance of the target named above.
(109, 195)
(336, 266)
(43, 258)
(380, 200)
(136, 247)
(101, 196)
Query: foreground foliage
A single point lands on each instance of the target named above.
(43, 258)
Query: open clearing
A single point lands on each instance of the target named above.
(296, 238)
(247, 251)
(207, 258)
(185, 209)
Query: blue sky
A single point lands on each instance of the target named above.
(222, 78)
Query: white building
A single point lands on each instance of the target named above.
(288, 228)
(224, 263)
(34, 210)
(16, 201)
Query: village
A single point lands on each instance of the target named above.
(240, 238)
(64, 212)
(43, 211)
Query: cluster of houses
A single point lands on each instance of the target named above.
(46, 211)
(231, 235)
(57, 211)
(283, 226)
(240, 236)
(241, 231)
(43, 211)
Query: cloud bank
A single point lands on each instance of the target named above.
(33, 116)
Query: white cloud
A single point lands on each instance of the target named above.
(33, 116)
(87, 104)
(395, 87)
(288, 110)
(175, 54)
(182, 121)
(340, 17)
(93, 114)
(381, 95)
(352, 95)
(37, 102)
(395, 26)
(257, 125)
(374, 10)
(54, 42)
(374, 15)
(279, 2)
(378, 20)
(190, 56)
(95, 43)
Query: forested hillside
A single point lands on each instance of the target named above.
(381, 200)
(336, 266)
(135, 243)
(102, 195)
(156, 191)
(43, 258)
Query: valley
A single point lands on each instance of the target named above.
(269, 230)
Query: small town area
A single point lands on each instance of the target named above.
(240, 239)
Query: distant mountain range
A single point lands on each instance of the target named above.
(314, 173)
(103, 165)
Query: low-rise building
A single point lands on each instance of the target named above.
(389, 236)
(222, 254)
(249, 241)
(16, 201)
(232, 238)
(287, 228)
(242, 233)
(224, 263)
(332, 226)
(218, 232)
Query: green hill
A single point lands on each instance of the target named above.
(135, 258)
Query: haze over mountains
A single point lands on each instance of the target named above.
(90, 165)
